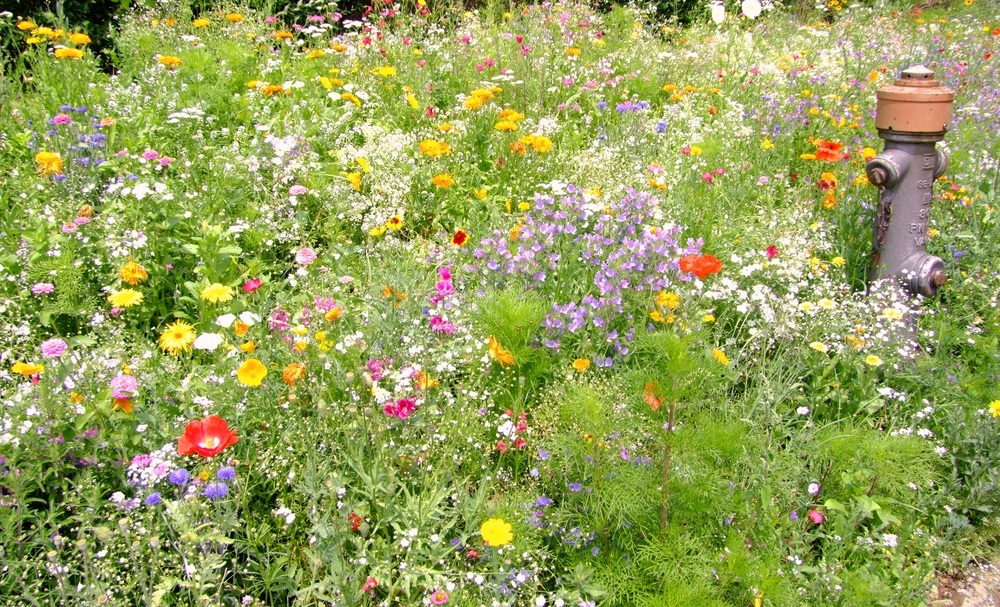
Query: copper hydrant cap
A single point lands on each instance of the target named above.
(915, 103)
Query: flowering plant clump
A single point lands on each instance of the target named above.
(414, 306)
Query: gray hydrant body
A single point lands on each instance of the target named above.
(912, 115)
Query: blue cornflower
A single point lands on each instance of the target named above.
(153, 498)
(543, 501)
(226, 474)
(216, 490)
(179, 476)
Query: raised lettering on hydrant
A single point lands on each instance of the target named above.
(911, 115)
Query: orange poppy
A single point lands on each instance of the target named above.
(701, 266)
(207, 437)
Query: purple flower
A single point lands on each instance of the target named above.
(150, 154)
(53, 348)
(226, 474)
(153, 498)
(543, 454)
(179, 476)
(41, 288)
(794, 516)
(575, 487)
(124, 386)
(216, 490)
(543, 501)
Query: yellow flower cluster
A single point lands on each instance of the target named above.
(479, 97)
(433, 148)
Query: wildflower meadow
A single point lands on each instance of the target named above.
(492, 304)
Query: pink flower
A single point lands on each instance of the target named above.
(708, 177)
(501, 446)
(771, 252)
(53, 348)
(439, 597)
(41, 288)
(61, 119)
(816, 516)
(251, 285)
(297, 190)
(402, 408)
(124, 386)
(305, 256)
(150, 154)
(370, 584)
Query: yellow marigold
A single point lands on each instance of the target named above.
(668, 300)
(78, 38)
(541, 144)
(170, 61)
(443, 180)
(432, 148)
(282, 35)
(26, 25)
(49, 163)
(251, 372)
(44, 31)
(217, 293)
(496, 532)
(332, 314)
(720, 356)
(248, 346)
(506, 125)
(68, 53)
(273, 89)
(292, 373)
(27, 369)
(581, 364)
(838, 261)
(499, 353)
(511, 115)
(177, 337)
(234, 17)
(573, 51)
(132, 273)
(35, 40)
(338, 47)
(316, 54)
(126, 298)
(201, 22)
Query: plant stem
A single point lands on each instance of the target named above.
(664, 476)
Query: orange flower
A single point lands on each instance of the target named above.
(251, 372)
(701, 266)
(581, 364)
(207, 437)
(650, 396)
(828, 151)
(501, 354)
(292, 373)
(424, 382)
(122, 404)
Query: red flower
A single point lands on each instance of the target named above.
(771, 252)
(251, 285)
(702, 266)
(370, 585)
(355, 521)
(207, 437)
(459, 238)
(828, 151)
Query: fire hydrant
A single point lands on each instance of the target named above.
(911, 115)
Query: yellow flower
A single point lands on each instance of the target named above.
(395, 223)
(444, 180)
(806, 306)
(385, 70)
(819, 346)
(35, 40)
(234, 17)
(581, 364)
(177, 337)
(367, 168)
(873, 360)
(892, 314)
(338, 47)
(496, 532)
(411, 100)
(827, 303)
(995, 408)
(695, 150)
(838, 261)
(78, 38)
(433, 149)
(217, 293)
(26, 25)
(251, 372)
(49, 163)
(355, 180)
(170, 61)
(351, 97)
(541, 144)
(377, 231)
(316, 54)
(292, 373)
(132, 273)
(501, 354)
(720, 356)
(201, 22)
(27, 369)
(511, 115)
(248, 346)
(656, 316)
(126, 298)
(708, 318)
(506, 125)
(668, 300)
(868, 153)
(482, 193)
(573, 51)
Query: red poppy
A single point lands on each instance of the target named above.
(207, 437)
(828, 151)
(702, 266)
(459, 238)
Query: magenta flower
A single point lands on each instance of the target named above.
(53, 348)
(305, 256)
(402, 408)
(150, 154)
(41, 288)
(816, 516)
(251, 285)
(124, 386)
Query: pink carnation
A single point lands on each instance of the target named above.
(305, 256)
(53, 348)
